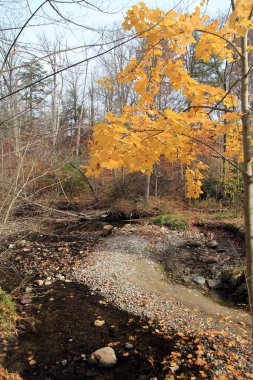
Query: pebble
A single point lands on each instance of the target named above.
(99, 323)
(212, 244)
(194, 243)
(11, 246)
(215, 284)
(64, 362)
(22, 243)
(39, 282)
(212, 260)
(60, 277)
(199, 280)
(129, 346)
(26, 299)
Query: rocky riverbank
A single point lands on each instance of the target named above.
(83, 287)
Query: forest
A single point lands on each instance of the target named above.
(126, 190)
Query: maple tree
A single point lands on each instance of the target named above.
(144, 132)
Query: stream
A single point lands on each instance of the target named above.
(56, 328)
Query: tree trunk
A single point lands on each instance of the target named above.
(248, 183)
(156, 180)
(92, 106)
(80, 120)
(147, 189)
(78, 136)
(55, 106)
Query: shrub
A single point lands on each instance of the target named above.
(228, 191)
(210, 188)
(72, 180)
(232, 190)
(171, 220)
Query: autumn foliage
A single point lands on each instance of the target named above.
(143, 132)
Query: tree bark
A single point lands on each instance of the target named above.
(248, 182)
(156, 180)
(147, 189)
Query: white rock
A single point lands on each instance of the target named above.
(22, 243)
(26, 299)
(39, 282)
(104, 357)
(11, 246)
(212, 244)
(99, 323)
(199, 280)
(60, 277)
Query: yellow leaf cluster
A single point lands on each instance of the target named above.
(142, 133)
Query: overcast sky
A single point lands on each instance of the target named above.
(72, 35)
(116, 9)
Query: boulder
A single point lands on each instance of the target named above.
(199, 280)
(107, 230)
(103, 357)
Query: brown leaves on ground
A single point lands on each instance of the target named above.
(212, 355)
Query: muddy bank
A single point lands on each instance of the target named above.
(60, 330)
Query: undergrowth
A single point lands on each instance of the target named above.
(7, 316)
(172, 220)
(7, 330)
